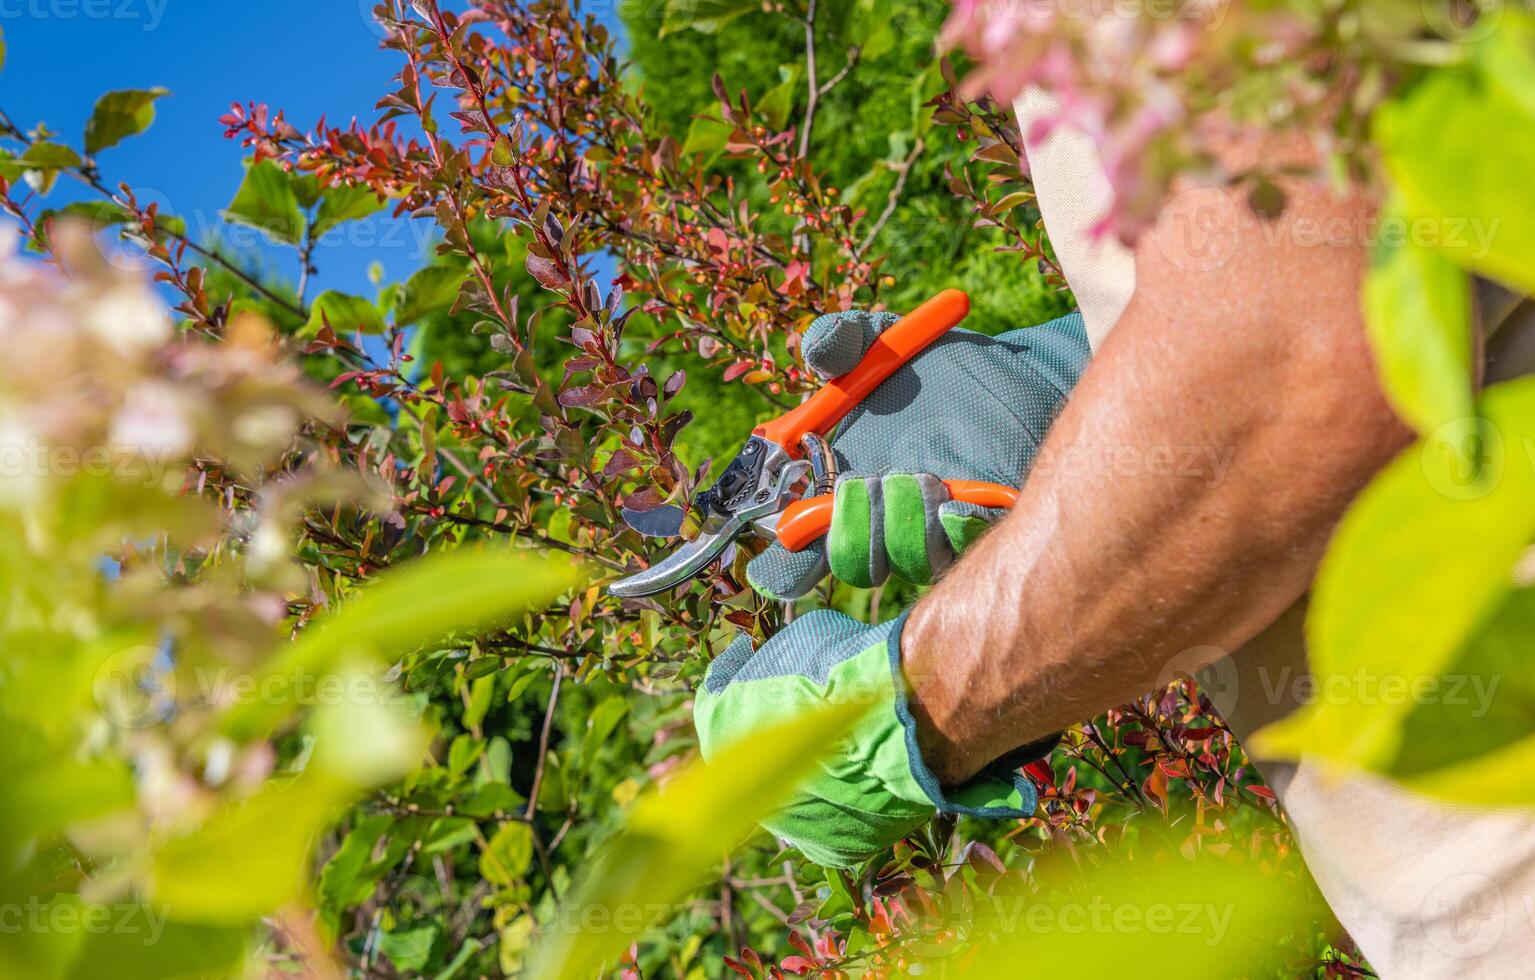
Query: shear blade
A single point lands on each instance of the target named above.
(676, 568)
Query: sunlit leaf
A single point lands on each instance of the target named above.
(1211, 917)
(419, 602)
(1418, 312)
(674, 836)
(344, 313)
(430, 290)
(347, 202)
(119, 115)
(507, 853)
(1420, 562)
(1433, 141)
(248, 859)
(267, 202)
(704, 16)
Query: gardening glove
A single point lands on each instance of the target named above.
(969, 407)
(874, 788)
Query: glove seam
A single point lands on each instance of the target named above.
(924, 776)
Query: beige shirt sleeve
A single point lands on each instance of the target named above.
(1073, 196)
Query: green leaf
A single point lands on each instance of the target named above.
(119, 115)
(1230, 930)
(1419, 564)
(1468, 725)
(339, 205)
(1418, 312)
(345, 313)
(246, 860)
(506, 856)
(142, 945)
(44, 155)
(410, 949)
(431, 290)
(412, 605)
(776, 104)
(349, 876)
(266, 201)
(480, 693)
(46, 159)
(708, 133)
(603, 719)
(674, 837)
(467, 950)
(1433, 140)
(704, 16)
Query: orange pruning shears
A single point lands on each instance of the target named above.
(764, 487)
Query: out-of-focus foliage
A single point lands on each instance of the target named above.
(506, 394)
(170, 756)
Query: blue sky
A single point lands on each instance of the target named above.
(307, 57)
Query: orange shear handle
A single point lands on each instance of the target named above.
(806, 520)
(902, 341)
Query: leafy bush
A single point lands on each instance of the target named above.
(509, 395)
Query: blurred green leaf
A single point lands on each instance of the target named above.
(412, 605)
(267, 202)
(46, 160)
(1213, 917)
(777, 102)
(410, 949)
(246, 860)
(431, 290)
(344, 313)
(119, 115)
(674, 836)
(707, 133)
(506, 855)
(705, 16)
(1419, 563)
(341, 204)
(1418, 313)
(144, 946)
(349, 876)
(1433, 141)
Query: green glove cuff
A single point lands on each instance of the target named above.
(995, 792)
(873, 788)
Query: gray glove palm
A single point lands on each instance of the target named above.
(970, 407)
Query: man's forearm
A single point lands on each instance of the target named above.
(1185, 494)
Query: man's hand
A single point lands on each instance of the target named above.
(970, 407)
(1186, 494)
(870, 792)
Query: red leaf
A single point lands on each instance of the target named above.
(797, 965)
(546, 271)
(737, 369)
(579, 396)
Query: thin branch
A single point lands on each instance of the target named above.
(903, 171)
(853, 54)
(814, 84)
(543, 741)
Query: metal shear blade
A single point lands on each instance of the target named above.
(725, 519)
